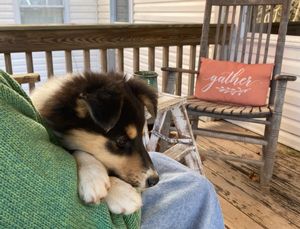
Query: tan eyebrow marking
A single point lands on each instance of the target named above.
(81, 108)
(131, 131)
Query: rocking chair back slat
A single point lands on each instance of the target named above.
(205, 28)
(246, 30)
(232, 27)
(268, 34)
(192, 65)
(254, 16)
(263, 13)
(218, 33)
(222, 51)
(238, 35)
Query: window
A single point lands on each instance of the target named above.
(42, 11)
(294, 12)
(120, 10)
(294, 18)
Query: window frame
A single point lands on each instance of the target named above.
(293, 28)
(113, 12)
(65, 6)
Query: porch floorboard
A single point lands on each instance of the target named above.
(244, 205)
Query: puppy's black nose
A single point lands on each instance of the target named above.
(151, 181)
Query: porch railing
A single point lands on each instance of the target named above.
(68, 38)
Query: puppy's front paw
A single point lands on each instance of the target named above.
(93, 183)
(122, 198)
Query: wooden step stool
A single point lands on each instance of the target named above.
(185, 145)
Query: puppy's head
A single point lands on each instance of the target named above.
(110, 121)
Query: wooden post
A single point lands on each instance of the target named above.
(49, 63)
(103, 60)
(68, 58)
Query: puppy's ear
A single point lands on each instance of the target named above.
(146, 94)
(104, 106)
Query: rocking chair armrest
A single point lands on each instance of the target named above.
(26, 78)
(285, 77)
(170, 69)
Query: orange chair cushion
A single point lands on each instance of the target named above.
(233, 82)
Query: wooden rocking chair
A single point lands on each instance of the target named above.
(240, 22)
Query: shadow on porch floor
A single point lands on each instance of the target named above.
(237, 185)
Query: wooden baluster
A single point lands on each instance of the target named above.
(136, 59)
(260, 33)
(179, 74)
(103, 60)
(268, 34)
(49, 63)
(165, 63)
(29, 66)
(191, 79)
(29, 62)
(120, 60)
(151, 58)
(8, 63)
(68, 58)
(87, 60)
(254, 16)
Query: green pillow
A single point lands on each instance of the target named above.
(38, 178)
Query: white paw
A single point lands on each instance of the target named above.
(122, 198)
(93, 184)
(93, 178)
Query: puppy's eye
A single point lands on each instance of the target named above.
(122, 141)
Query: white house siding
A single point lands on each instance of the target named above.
(104, 11)
(168, 11)
(77, 12)
(7, 12)
(83, 12)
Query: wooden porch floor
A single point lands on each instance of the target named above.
(243, 204)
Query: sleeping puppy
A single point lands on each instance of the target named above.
(100, 118)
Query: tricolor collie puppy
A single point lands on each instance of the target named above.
(100, 118)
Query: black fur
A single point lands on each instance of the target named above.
(114, 104)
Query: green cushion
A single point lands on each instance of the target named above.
(38, 179)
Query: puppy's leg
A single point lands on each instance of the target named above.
(93, 178)
(122, 198)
